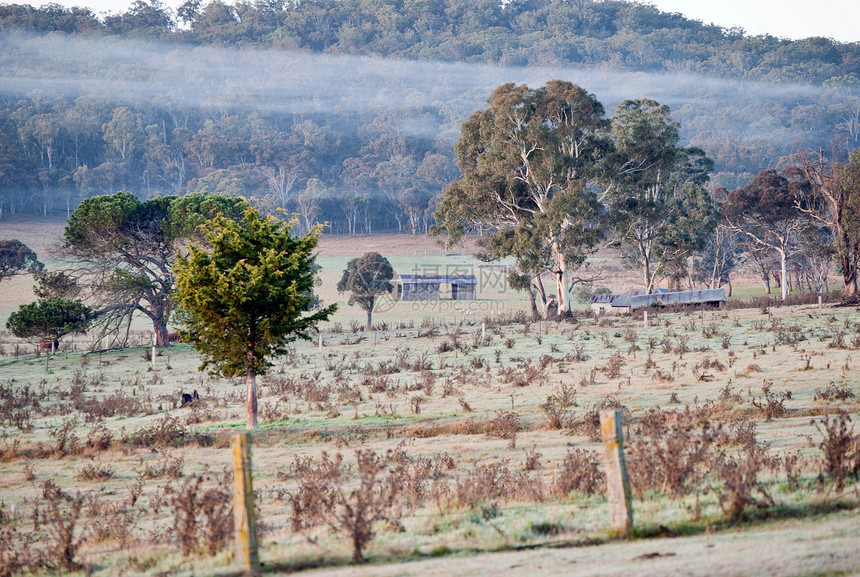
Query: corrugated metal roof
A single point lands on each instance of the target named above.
(637, 301)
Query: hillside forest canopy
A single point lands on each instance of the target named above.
(347, 112)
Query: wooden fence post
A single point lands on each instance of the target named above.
(244, 516)
(645, 324)
(617, 483)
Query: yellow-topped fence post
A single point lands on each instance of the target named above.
(243, 506)
(617, 483)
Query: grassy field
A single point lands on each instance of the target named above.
(483, 422)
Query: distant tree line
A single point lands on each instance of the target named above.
(364, 168)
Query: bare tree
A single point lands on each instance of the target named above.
(280, 183)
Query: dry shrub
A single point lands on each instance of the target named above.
(202, 517)
(532, 460)
(556, 417)
(565, 396)
(580, 472)
(15, 556)
(728, 395)
(489, 484)
(99, 438)
(612, 368)
(739, 476)
(95, 472)
(415, 403)
(789, 334)
(65, 439)
(526, 373)
(671, 452)
(116, 404)
(555, 405)
(833, 392)
(791, 465)
(112, 521)
(319, 471)
(577, 355)
(590, 425)
(663, 376)
(589, 378)
(167, 432)
(771, 405)
(200, 412)
(61, 519)
(323, 499)
(682, 347)
(19, 403)
(505, 425)
(738, 430)
(165, 467)
(839, 446)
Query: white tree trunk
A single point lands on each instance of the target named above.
(562, 281)
(783, 263)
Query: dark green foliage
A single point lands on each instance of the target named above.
(526, 162)
(659, 210)
(366, 279)
(245, 298)
(128, 247)
(17, 258)
(48, 320)
(50, 285)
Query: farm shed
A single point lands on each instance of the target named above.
(417, 287)
(638, 299)
(602, 303)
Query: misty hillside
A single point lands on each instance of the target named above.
(327, 108)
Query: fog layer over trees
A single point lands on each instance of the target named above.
(348, 112)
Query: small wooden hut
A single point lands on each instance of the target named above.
(418, 287)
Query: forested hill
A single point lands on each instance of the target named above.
(325, 107)
(615, 34)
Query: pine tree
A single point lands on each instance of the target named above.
(247, 295)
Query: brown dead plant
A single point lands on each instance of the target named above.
(323, 499)
(840, 459)
(581, 472)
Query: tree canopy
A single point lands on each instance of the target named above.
(126, 247)
(526, 162)
(366, 279)
(833, 201)
(549, 175)
(48, 320)
(246, 295)
(659, 211)
(17, 258)
(765, 212)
